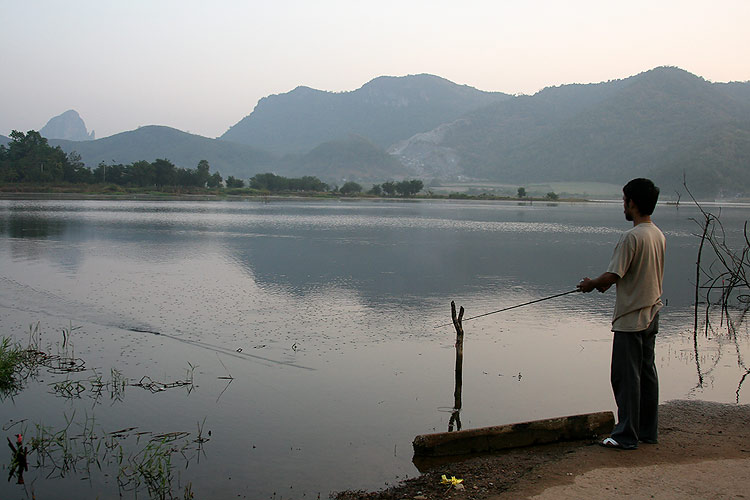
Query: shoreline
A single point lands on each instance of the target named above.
(166, 196)
(703, 452)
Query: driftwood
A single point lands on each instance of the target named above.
(488, 439)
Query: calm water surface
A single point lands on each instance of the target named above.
(308, 329)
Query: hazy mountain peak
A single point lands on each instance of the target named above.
(68, 126)
(386, 110)
(418, 79)
(302, 90)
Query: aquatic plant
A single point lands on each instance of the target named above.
(10, 359)
(149, 384)
(95, 386)
(81, 447)
(17, 364)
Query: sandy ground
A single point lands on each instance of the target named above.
(703, 452)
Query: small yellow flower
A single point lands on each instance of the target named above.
(452, 481)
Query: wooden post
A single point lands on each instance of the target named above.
(455, 418)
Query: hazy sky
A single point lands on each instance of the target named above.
(201, 66)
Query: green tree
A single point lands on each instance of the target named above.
(74, 169)
(165, 173)
(29, 158)
(215, 180)
(114, 174)
(269, 182)
(235, 183)
(307, 183)
(186, 177)
(202, 175)
(4, 164)
(552, 196)
(409, 188)
(376, 190)
(350, 187)
(521, 192)
(275, 183)
(389, 188)
(141, 173)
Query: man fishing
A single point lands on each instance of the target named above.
(637, 270)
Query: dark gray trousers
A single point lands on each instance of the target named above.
(635, 385)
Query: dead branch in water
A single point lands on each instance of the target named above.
(727, 273)
(458, 387)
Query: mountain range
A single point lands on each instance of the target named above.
(385, 110)
(183, 149)
(661, 123)
(658, 124)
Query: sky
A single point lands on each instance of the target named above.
(202, 66)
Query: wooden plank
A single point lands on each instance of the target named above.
(488, 439)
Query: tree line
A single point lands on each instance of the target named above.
(403, 188)
(29, 158)
(277, 183)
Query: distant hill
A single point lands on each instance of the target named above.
(657, 124)
(4, 141)
(68, 126)
(737, 90)
(385, 110)
(660, 124)
(183, 149)
(354, 158)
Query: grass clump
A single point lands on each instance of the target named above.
(11, 359)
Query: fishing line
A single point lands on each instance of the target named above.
(514, 307)
(218, 349)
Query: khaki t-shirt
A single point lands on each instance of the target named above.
(638, 260)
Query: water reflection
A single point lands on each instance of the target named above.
(384, 253)
(18, 459)
(323, 314)
(20, 224)
(35, 236)
(725, 274)
(712, 344)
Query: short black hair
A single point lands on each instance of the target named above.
(643, 193)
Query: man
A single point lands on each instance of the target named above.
(637, 270)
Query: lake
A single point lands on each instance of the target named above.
(289, 348)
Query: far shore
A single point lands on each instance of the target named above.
(60, 193)
(109, 192)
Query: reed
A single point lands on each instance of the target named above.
(10, 360)
(81, 447)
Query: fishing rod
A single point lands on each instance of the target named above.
(514, 307)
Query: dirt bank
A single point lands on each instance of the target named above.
(703, 452)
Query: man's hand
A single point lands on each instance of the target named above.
(586, 285)
(601, 283)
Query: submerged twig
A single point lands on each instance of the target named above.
(728, 271)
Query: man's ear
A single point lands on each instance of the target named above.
(633, 207)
